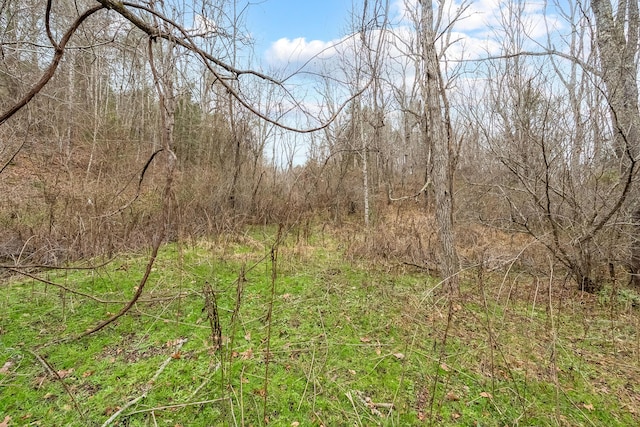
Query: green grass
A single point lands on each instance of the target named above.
(351, 343)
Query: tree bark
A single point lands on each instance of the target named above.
(438, 137)
(617, 39)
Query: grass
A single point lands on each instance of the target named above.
(350, 342)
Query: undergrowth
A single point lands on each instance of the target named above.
(350, 343)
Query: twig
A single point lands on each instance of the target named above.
(124, 408)
(267, 357)
(350, 397)
(179, 405)
(373, 406)
(147, 387)
(57, 376)
(411, 196)
(92, 297)
(441, 357)
(309, 375)
(206, 380)
(15, 153)
(56, 267)
(430, 270)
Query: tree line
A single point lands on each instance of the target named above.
(122, 122)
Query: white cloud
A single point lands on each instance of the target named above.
(285, 51)
(483, 20)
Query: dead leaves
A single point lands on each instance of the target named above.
(244, 355)
(5, 369)
(374, 407)
(5, 423)
(588, 406)
(64, 373)
(486, 395)
(452, 397)
(378, 347)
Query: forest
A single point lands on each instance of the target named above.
(433, 220)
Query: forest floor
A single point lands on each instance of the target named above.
(312, 336)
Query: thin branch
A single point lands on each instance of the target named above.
(187, 42)
(57, 376)
(92, 297)
(136, 296)
(13, 156)
(411, 196)
(64, 288)
(50, 71)
(178, 405)
(54, 267)
(147, 387)
(47, 24)
(75, 47)
(548, 52)
(140, 179)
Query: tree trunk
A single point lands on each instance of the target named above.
(617, 40)
(438, 137)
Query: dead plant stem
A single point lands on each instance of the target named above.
(443, 346)
(267, 357)
(146, 388)
(489, 328)
(58, 378)
(553, 356)
(176, 406)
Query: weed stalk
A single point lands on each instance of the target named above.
(267, 357)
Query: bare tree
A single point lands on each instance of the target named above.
(618, 36)
(436, 125)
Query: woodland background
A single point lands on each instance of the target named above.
(460, 221)
(535, 142)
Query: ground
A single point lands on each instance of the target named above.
(312, 334)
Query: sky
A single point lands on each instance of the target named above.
(273, 20)
(286, 30)
(283, 29)
(287, 33)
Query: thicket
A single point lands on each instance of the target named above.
(542, 151)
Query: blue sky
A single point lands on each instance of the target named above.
(288, 33)
(271, 20)
(285, 29)
(292, 31)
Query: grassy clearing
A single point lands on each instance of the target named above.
(350, 343)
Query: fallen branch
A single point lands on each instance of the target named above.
(64, 288)
(143, 281)
(56, 267)
(412, 196)
(147, 387)
(92, 297)
(178, 405)
(54, 374)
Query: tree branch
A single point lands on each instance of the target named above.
(50, 71)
